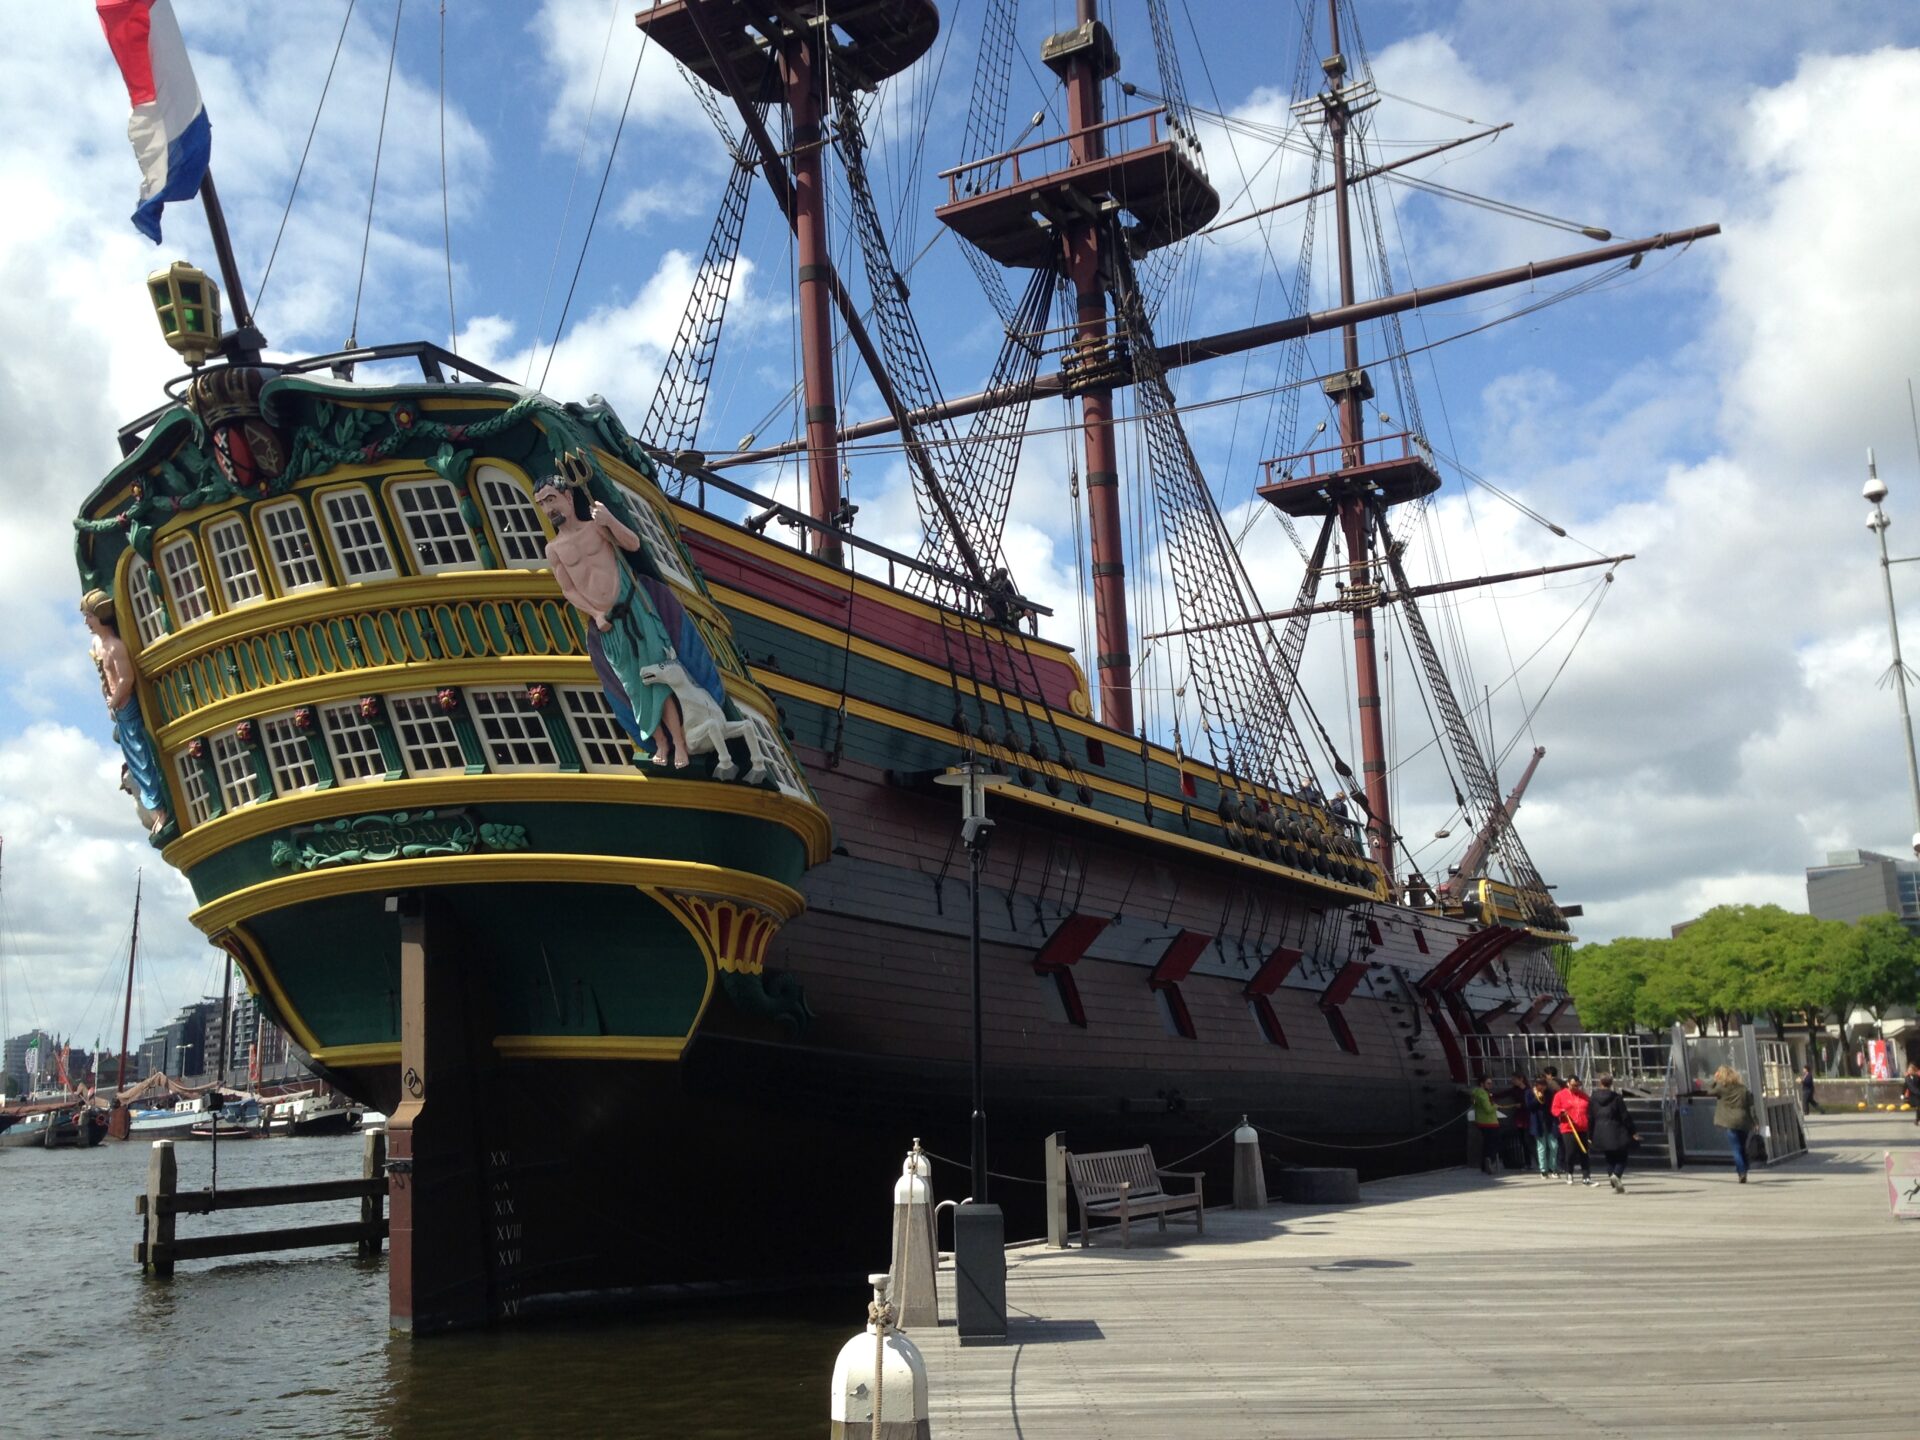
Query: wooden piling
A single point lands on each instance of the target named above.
(156, 1256)
(373, 1166)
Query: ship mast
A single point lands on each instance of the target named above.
(800, 75)
(1090, 60)
(1351, 389)
(126, 1014)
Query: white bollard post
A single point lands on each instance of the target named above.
(879, 1380)
(1249, 1175)
(914, 1258)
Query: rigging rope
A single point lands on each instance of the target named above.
(587, 239)
(446, 221)
(260, 291)
(566, 213)
(379, 146)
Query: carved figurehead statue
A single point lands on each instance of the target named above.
(129, 728)
(625, 635)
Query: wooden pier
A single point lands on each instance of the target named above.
(1451, 1304)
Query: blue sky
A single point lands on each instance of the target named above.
(1716, 730)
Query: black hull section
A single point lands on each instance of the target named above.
(759, 1165)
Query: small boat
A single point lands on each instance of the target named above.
(223, 1129)
(77, 1126)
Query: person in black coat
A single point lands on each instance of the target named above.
(1612, 1131)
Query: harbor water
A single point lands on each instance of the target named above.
(297, 1344)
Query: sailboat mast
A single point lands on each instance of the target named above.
(126, 1014)
(1351, 389)
(1083, 71)
(800, 74)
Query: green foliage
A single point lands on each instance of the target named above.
(1747, 962)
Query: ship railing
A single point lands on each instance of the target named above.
(991, 179)
(436, 363)
(1331, 459)
(1636, 1062)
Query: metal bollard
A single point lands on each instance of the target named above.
(879, 1380)
(913, 1246)
(1249, 1175)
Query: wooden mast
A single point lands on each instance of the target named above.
(1350, 390)
(1084, 239)
(126, 1014)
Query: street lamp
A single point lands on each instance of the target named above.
(973, 780)
(184, 1048)
(979, 1232)
(1874, 491)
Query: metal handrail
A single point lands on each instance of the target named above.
(1288, 466)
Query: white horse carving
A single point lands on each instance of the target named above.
(707, 727)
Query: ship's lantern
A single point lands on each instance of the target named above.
(187, 305)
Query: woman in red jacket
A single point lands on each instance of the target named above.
(1572, 1108)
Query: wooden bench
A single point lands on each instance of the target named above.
(1126, 1183)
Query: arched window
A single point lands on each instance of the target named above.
(283, 525)
(149, 615)
(233, 559)
(429, 512)
(186, 585)
(659, 540)
(358, 542)
(523, 539)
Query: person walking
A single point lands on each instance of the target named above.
(1733, 1113)
(1574, 1111)
(1483, 1128)
(1537, 1110)
(1613, 1132)
(1910, 1089)
(1808, 1105)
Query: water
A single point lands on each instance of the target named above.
(296, 1344)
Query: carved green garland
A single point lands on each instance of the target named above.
(403, 835)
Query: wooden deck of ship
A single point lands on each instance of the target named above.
(1449, 1304)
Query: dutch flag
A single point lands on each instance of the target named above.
(169, 128)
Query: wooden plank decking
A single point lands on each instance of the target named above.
(1446, 1304)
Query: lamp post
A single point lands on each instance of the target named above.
(973, 780)
(1874, 491)
(979, 1234)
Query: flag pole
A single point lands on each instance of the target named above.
(246, 342)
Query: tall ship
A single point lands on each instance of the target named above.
(577, 803)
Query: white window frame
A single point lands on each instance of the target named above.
(504, 720)
(336, 723)
(233, 763)
(516, 520)
(233, 561)
(194, 788)
(191, 601)
(357, 549)
(296, 559)
(440, 525)
(419, 723)
(148, 609)
(603, 745)
(658, 539)
(780, 764)
(288, 755)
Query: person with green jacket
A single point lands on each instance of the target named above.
(1483, 1133)
(1733, 1113)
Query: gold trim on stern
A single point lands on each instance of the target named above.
(509, 869)
(805, 820)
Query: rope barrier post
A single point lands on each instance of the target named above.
(1249, 1175)
(1056, 1157)
(879, 1387)
(913, 1251)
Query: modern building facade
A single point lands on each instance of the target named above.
(1856, 883)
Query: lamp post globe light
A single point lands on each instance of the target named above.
(1873, 492)
(979, 1234)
